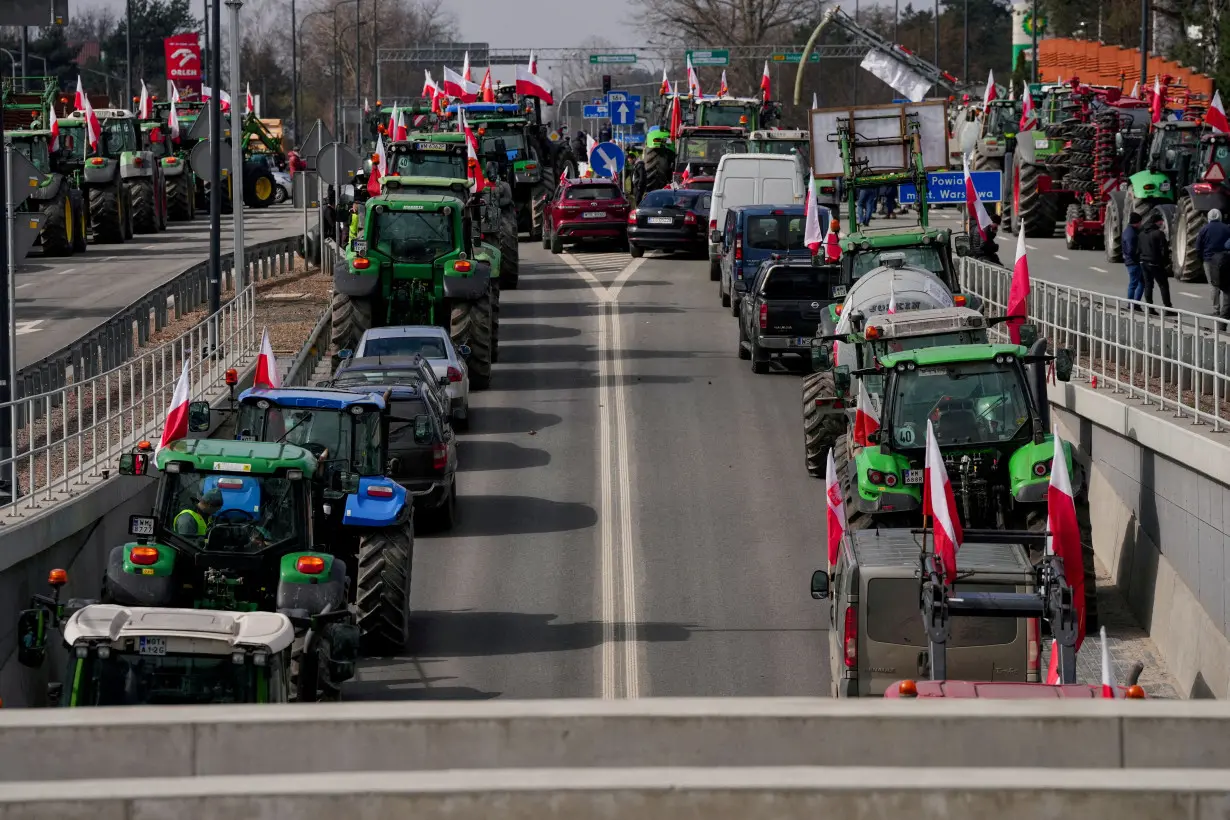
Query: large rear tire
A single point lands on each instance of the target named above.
(846, 476)
(1186, 260)
(144, 206)
(180, 198)
(510, 251)
(80, 229)
(1112, 228)
(1037, 211)
(386, 563)
(106, 215)
(820, 430)
(659, 168)
(352, 316)
(470, 324)
(259, 189)
(59, 222)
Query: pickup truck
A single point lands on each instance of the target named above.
(783, 307)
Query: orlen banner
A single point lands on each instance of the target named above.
(184, 61)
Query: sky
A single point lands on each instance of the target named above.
(515, 24)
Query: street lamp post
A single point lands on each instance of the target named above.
(1033, 54)
(358, 62)
(337, 72)
(128, 50)
(214, 26)
(239, 266)
(294, 76)
(965, 48)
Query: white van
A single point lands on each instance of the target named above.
(751, 179)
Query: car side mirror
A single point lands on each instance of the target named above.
(463, 351)
(715, 237)
(134, 463)
(1029, 334)
(820, 584)
(32, 637)
(199, 417)
(422, 429)
(1063, 364)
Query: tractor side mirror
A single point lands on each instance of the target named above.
(199, 417)
(960, 244)
(422, 429)
(873, 437)
(345, 353)
(820, 584)
(348, 482)
(463, 351)
(492, 170)
(1029, 334)
(1063, 364)
(821, 356)
(32, 637)
(134, 463)
(841, 379)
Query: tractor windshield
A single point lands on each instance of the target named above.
(430, 164)
(34, 150)
(127, 679)
(927, 257)
(514, 143)
(737, 116)
(708, 150)
(413, 236)
(118, 136)
(1173, 146)
(780, 147)
(352, 441)
(231, 512)
(1002, 119)
(967, 403)
(72, 141)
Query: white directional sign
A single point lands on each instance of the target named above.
(622, 112)
(607, 159)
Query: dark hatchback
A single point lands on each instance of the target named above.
(670, 220)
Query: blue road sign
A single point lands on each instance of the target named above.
(595, 112)
(607, 159)
(632, 139)
(949, 187)
(622, 112)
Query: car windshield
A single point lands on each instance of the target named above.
(709, 150)
(589, 193)
(786, 282)
(338, 437)
(967, 403)
(670, 200)
(126, 679)
(231, 512)
(429, 164)
(429, 347)
(775, 232)
(118, 136)
(729, 115)
(927, 258)
(413, 236)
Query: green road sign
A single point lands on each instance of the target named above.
(599, 59)
(794, 57)
(715, 57)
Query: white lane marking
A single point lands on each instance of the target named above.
(66, 270)
(632, 674)
(1190, 295)
(1031, 247)
(151, 247)
(1099, 270)
(26, 285)
(1057, 256)
(29, 327)
(106, 259)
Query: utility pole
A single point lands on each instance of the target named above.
(214, 24)
(358, 68)
(1033, 54)
(127, 54)
(1144, 45)
(965, 48)
(294, 75)
(7, 354)
(25, 47)
(937, 33)
(207, 63)
(240, 267)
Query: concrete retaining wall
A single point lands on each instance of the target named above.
(210, 741)
(1159, 500)
(640, 794)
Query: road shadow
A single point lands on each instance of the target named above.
(569, 378)
(529, 332)
(404, 678)
(490, 420)
(584, 354)
(485, 515)
(577, 283)
(468, 633)
(479, 456)
(572, 310)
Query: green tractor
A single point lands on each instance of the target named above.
(1169, 165)
(701, 147)
(996, 135)
(185, 186)
(179, 183)
(749, 113)
(422, 261)
(139, 170)
(232, 530)
(1032, 202)
(1208, 190)
(58, 197)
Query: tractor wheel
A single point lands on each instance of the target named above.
(542, 194)
(1070, 217)
(1168, 213)
(59, 222)
(382, 593)
(1186, 261)
(126, 206)
(76, 200)
(846, 476)
(495, 321)
(106, 215)
(260, 190)
(1112, 228)
(820, 430)
(981, 162)
(180, 198)
(470, 324)
(510, 251)
(144, 207)
(659, 168)
(1035, 210)
(351, 317)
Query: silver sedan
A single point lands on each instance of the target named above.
(433, 344)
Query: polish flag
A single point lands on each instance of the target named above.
(724, 90)
(765, 82)
(892, 296)
(815, 100)
(1052, 666)
(485, 91)
(391, 130)
(666, 85)
(693, 80)
(224, 99)
(1215, 117)
(93, 128)
(455, 85)
(866, 416)
(465, 70)
(1065, 537)
(173, 122)
(380, 166)
(687, 175)
(55, 129)
(1108, 672)
(529, 84)
(79, 99)
(836, 510)
(813, 236)
(474, 169)
(1029, 116)
(973, 205)
(402, 131)
(267, 375)
(176, 426)
(1135, 90)
(990, 94)
(145, 108)
(676, 115)
(367, 107)
(1018, 293)
(430, 88)
(249, 104)
(941, 506)
(1157, 105)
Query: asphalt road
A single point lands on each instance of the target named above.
(62, 299)
(636, 519)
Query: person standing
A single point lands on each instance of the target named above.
(1131, 258)
(1210, 242)
(866, 205)
(1155, 259)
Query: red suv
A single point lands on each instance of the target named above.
(586, 209)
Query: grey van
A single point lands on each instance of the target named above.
(876, 634)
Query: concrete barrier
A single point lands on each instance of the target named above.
(211, 741)
(640, 794)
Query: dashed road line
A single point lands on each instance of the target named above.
(66, 270)
(1189, 294)
(1064, 258)
(1099, 270)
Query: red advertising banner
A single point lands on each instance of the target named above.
(184, 61)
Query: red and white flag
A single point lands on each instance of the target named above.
(93, 128)
(941, 506)
(892, 296)
(1135, 90)
(813, 233)
(465, 69)
(666, 85)
(1065, 537)
(380, 167)
(990, 94)
(978, 215)
(1052, 666)
(430, 89)
(836, 504)
(249, 104)
(1108, 671)
(474, 169)
(529, 84)
(1157, 105)
(55, 129)
(866, 416)
(457, 86)
(367, 106)
(267, 375)
(173, 121)
(1029, 116)
(1215, 117)
(224, 99)
(765, 83)
(1018, 293)
(145, 108)
(176, 426)
(391, 128)
(815, 100)
(79, 98)
(676, 115)
(687, 175)
(693, 80)
(723, 90)
(485, 91)
(402, 131)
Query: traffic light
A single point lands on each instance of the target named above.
(606, 83)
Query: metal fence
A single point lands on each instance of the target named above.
(1175, 360)
(75, 433)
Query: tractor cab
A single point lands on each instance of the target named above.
(33, 145)
(732, 112)
(428, 155)
(119, 132)
(702, 147)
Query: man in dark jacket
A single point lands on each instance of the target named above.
(1131, 257)
(1155, 259)
(1210, 241)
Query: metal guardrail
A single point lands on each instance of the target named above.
(1173, 359)
(317, 345)
(118, 339)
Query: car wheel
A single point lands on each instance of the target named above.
(744, 353)
(635, 251)
(760, 362)
(715, 269)
(546, 239)
(461, 421)
(557, 245)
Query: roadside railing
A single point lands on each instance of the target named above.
(1173, 359)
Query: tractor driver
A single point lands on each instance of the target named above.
(195, 520)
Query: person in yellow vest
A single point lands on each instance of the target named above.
(195, 521)
(354, 222)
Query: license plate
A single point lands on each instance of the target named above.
(802, 341)
(913, 476)
(140, 525)
(661, 220)
(153, 646)
(839, 291)
(1042, 143)
(594, 214)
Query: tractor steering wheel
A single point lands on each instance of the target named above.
(316, 449)
(234, 516)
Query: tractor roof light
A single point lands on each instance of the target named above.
(231, 377)
(907, 689)
(143, 556)
(144, 446)
(57, 578)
